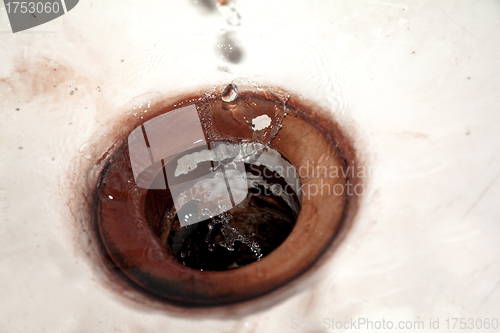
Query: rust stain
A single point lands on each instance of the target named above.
(34, 77)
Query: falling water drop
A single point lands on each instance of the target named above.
(230, 93)
(227, 9)
(84, 150)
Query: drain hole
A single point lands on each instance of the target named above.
(237, 237)
(215, 202)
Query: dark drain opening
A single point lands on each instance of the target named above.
(242, 235)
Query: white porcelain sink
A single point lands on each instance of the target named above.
(416, 84)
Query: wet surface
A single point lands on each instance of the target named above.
(395, 76)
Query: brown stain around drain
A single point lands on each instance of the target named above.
(86, 182)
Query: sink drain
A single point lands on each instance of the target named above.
(220, 201)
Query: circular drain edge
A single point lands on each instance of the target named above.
(114, 137)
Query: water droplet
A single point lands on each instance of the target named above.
(84, 150)
(230, 93)
(189, 213)
(110, 196)
(230, 13)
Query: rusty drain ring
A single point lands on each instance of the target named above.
(139, 256)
